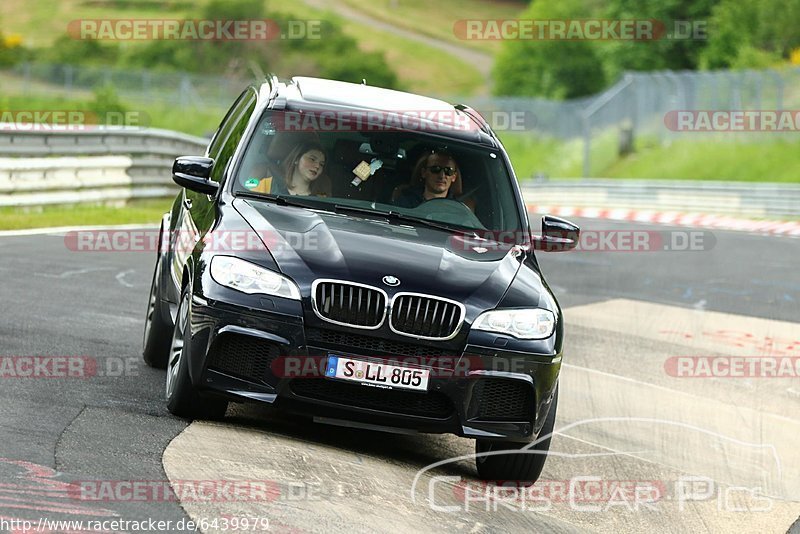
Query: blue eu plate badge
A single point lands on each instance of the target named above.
(330, 369)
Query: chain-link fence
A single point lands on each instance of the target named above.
(661, 105)
(178, 89)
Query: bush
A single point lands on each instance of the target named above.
(333, 55)
(662, 53)
(550, 69)
(12, 51)
(106, 104)
(751, 33)
(69, 51)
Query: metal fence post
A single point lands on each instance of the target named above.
(587, 146)
(68, 79)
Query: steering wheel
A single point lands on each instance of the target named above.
(448, 210)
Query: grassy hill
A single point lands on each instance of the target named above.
(421, 68)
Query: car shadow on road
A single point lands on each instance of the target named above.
(415, 450)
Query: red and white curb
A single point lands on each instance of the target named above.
(719, 222)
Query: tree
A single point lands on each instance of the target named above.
(550, 68)
(751, 33)
(668, 50)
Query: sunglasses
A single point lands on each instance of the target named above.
(436, 169)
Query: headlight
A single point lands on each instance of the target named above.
(250, 278)
(534, 323)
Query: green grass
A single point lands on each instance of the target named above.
(40, 22)
(420, 68)
(531, 155)
(776, 160)
(436, 19)
(767, 161)
(137, 211)
(187, 120)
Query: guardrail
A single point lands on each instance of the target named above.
(743, 199)
(118, 164)
(102, 164)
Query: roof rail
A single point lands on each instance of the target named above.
(475, 116)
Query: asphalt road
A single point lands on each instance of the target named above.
(624, 419)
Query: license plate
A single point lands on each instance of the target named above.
(380, 375)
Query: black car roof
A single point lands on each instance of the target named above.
(318, 94)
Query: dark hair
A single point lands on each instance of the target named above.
(319, 187)
(422, 162)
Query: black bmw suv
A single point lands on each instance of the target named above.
(392, 286)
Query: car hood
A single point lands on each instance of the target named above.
(310, 244)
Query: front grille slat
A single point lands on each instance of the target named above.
(443, 324)
(416, 315)
(425, 316)
(349, 304)
(425, 324)
(350, 318)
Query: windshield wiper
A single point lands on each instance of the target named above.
(281, 200)
(402, 217)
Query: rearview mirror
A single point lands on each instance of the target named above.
(558, 235)
(193, 172)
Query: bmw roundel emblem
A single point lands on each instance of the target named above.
(390, 280)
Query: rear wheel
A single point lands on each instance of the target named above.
(182, 398)
(157, 327)
(523, 466)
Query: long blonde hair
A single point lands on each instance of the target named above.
(319, 187)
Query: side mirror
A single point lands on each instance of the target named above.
(558, 235)
(192, 172)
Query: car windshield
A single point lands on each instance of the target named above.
(412, 175)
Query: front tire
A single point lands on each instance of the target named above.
(182, 398)
(157, 327)
(523, 467)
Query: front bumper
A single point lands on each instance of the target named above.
(277, 356)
